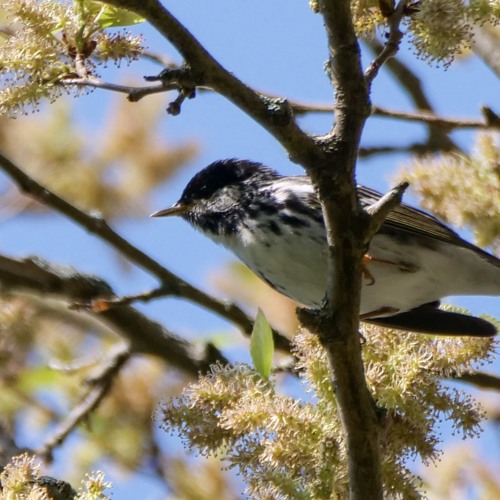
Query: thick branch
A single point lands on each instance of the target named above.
(337, 324)
(275, 115)
(330, 161)
(171, 284)
(144, 335)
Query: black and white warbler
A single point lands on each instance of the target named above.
(274, 224)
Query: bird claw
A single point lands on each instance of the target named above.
(367, 275)
(402, 266)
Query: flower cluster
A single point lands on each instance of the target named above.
(462, 189)
(50, 41)
(433, 42)
(21, 478)
(293, 448)
(424, 20)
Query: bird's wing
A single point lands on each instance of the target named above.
(428, 318)
(419, 223)
(410, 220)
(403, 217)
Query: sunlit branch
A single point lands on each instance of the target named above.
(379, 211)
(391, 46)
(172, 284)
(134, 94)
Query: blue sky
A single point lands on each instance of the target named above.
(278, 47)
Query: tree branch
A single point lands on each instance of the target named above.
(446, 123)
(486, 46)
(379, 211)
(392, 45)
(438, 121)
(143, 335)
(99, 387)
(330, 161)
(135, 94)
(417, 148)
(338, 322)
(480, 379)
(275, 115)
(171, 284)
(438, 139)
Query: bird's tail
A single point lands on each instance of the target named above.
(428, 318)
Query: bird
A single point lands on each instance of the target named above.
(274, 224)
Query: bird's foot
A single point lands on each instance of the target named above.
(370, 280)
(402, 266)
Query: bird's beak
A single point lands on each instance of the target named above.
(177, 209)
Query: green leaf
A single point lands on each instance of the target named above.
(262, 345)
(114, 17)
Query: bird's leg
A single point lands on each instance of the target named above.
(402, 266)
(367, 274)
(378, 312)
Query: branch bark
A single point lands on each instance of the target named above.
(391, 47)
(338, 322)
(274, 114)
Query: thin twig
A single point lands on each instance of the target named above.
(135, 94)
(418, 148)
(99, 388)
(438, 139)
(430, 118)
(379, 210)
(99, 305)
(480, 379)
(392, 45)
